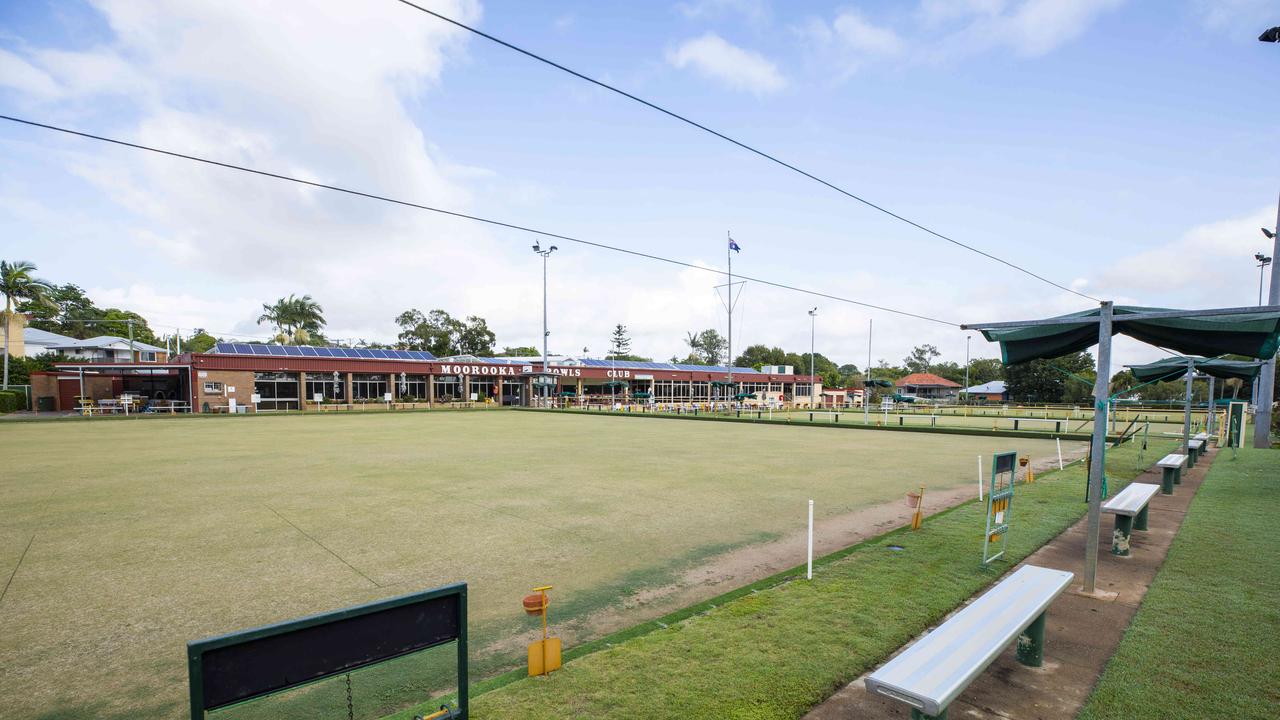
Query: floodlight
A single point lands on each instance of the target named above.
(1270, 235)
(1272, 35)
(536, 248)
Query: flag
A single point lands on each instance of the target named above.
(734, 246)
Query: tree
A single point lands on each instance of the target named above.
(199, 342)
(707, 347)
(984, 370)
(521, 351)
(18, 283)
(1045, 381)
(920, 358)
(67, 313)
(474, 338)
(297, 319)
(620, 344)
(433, 332)
(952, 371)
(757, 356)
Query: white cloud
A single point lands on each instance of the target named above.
(1030, 28)
(1211, 265)
(1242, 17)
(713, 57)
(861, 36)
(21, 75)
(755, 11)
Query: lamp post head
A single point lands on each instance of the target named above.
(1262, 259)
(1272, 35)
(814, 312)
(1270, 235)
(537, 247)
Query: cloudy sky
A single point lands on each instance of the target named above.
(1126, 149)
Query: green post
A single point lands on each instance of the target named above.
(1031, 643)
(1140, 522)
(1120, 536)
(917, 715)
(1177, 476)
(1166, 481)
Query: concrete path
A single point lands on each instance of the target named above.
(1081, 633)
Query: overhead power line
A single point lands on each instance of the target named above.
(744, 146)
(464, 216)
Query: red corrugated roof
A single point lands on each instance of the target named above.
(926, 379)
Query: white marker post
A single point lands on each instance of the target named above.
(979, 478)
(1059, 441)
(809, 562)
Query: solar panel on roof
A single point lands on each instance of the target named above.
(291, 350)
(309, 351)
(242, 349)
(362, 352)
(259, 350)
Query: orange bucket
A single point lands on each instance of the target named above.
(913, 499)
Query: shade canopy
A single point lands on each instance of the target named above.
(1252, 334)
(1174, 368)
(878, 383)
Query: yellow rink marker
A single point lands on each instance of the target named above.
(544, 654)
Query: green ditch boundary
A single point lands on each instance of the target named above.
(973, 432)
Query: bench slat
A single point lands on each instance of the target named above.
(939, 666)
(1172, 460)
(1132, 499)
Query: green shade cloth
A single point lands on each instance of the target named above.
(745, 396)
(1253, 334)
(1176, 368)
(642, 394)
(568, 393)
(722, 383)
(615, 383)
(877, 383)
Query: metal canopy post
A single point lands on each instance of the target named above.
(1262, 421)
(1209, 418)
(1098, 447)
(1186, 408)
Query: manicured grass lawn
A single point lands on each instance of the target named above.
(778, 651)
(1204, 643)
(120, 540)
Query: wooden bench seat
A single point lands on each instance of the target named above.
(1195, 448)
(934, 671)
(1171, 471)
(1130, 509)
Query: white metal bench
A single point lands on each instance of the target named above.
(1130, 509)
(1194, 449)
(1171, 468)
(934, 671)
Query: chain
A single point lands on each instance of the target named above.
(351, 709)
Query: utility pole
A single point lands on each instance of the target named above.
(866, 387)
(133, 354)
(967, 338)
(728, 253)
(1262, 418)
(813, 324)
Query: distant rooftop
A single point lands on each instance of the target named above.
(992, 388)
(105, 341)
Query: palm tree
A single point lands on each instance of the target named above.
(295, 318)
(17, 283)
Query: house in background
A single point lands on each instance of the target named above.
(928, 386)
(993, 392)
(110, 348)
(39, 342)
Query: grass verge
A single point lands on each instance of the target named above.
(1203, 643)
(777, 648)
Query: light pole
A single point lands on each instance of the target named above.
(1262, 420)
(1263, 262)
(967, 338)
(813, 325)
(546, 366)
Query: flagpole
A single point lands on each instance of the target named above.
(728, 253)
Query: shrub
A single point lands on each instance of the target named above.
(11, 401)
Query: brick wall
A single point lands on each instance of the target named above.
(241, 380)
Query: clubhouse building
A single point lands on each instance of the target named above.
(252, 377)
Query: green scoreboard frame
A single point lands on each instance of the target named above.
(999, 502)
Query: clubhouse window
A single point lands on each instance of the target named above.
(276, 390)
(447, 387)
(414, 387)
(366, 386)
(324, 384)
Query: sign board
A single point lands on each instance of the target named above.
(263, 661)
(1003, 471)
(255, 398)
(231, 405)
(1235, 424)
(203, 374)
(317, 397)
(231, 388)
(386, 397)
(475, 397)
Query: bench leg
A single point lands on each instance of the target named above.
(1140, 522)
(1177, 476)
(917, 715)
(1166, 482)
(1031, 643)
(1120, 536)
